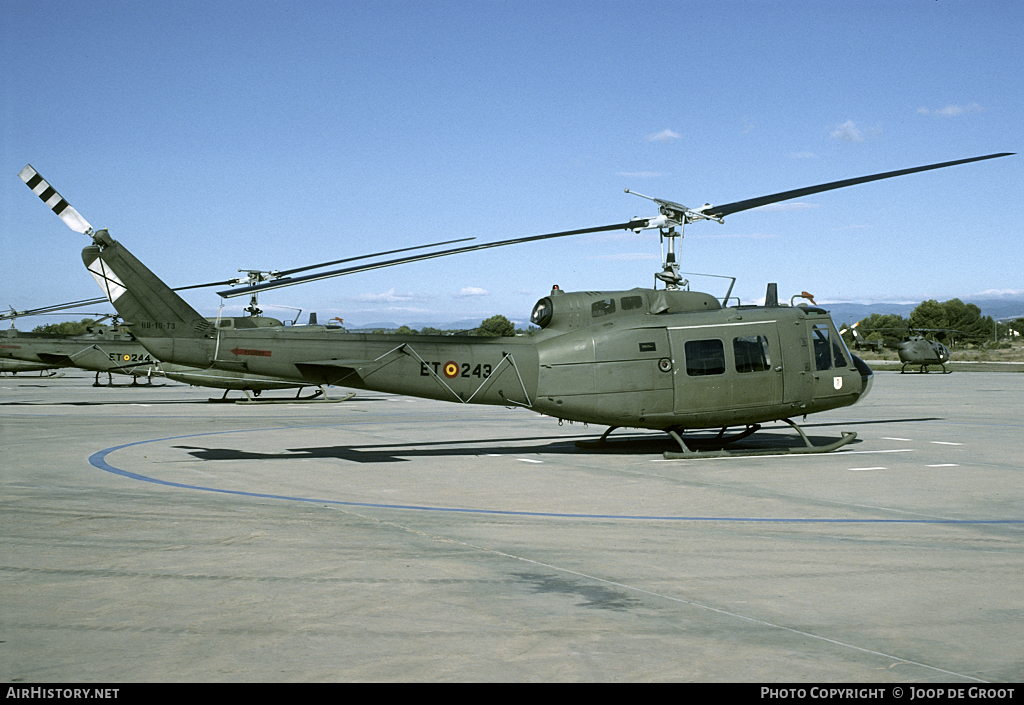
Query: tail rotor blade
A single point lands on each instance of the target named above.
(48, 194)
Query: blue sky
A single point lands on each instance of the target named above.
(215, 136)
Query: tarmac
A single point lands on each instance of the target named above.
(149, 535)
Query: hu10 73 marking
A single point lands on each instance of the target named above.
(452, 369)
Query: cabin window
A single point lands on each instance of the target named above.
(629, 303)
(602, 307)
(705, 357)
(751, 353)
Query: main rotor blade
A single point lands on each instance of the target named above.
(291, 281)
(375, 254)
(4, 315)
(48, 194)
(728, 208)
(327, 264)
(48, 309)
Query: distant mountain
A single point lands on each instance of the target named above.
(851, 313)
(1000, 308)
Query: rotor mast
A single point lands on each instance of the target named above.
(673, 215)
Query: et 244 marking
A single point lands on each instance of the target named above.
(133, 357)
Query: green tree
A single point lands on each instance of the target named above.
(65, 327)
(952, 318)
(882, 326)
(496, 327)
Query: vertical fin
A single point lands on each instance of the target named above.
(151, 307)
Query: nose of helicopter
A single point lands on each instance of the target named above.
(867, 376)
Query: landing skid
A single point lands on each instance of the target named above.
(924, 368)
(317, 397)
(715, 447)
(135, 382)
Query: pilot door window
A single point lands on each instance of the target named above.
(705, 357)
(827, 351)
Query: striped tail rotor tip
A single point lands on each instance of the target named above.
(48, 194)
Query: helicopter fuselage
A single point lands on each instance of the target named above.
(640, 358)
(918, 350)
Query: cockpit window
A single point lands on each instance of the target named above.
(632, 302)
(542, 311)
(828, 350)
(602, 307)
(822, 348)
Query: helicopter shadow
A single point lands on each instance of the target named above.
(647, 444)
(121, 402)
(394, 452)
(871, 422)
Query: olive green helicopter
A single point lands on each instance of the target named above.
(914, 350)
(665, 359)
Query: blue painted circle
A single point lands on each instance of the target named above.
(99, 460)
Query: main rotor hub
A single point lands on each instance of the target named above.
(672, 214)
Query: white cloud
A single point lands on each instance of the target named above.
(999, 293)
(664, 136)
(952, 110)
(474, 291)
(848, 132)
(388, 296)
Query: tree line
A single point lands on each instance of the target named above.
(493, 327)
(949, 322)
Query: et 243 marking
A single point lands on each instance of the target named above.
(452, 369)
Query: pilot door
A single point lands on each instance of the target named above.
(834, 375)
(729, 366)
